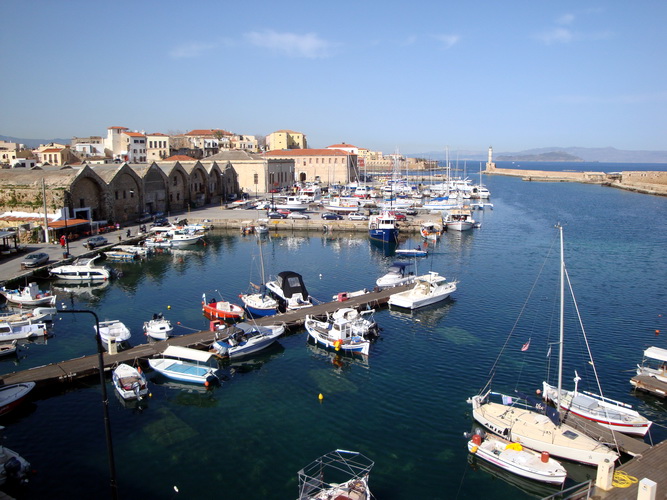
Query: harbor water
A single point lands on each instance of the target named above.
(404, 406)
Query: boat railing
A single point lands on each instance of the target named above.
(581, 490)
(603, 398)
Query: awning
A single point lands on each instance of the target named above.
(656, 353)
(61, 224)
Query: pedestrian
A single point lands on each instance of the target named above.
(63, 241)
(128, 234)
(120, 238)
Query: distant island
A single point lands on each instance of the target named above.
(552, 156)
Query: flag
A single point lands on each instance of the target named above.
(526, 346)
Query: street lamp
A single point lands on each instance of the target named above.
(105, 399)
(65, 202)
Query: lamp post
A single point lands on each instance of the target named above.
(65, 202)
(105, 400)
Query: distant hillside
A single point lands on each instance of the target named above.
(551, 156)
(611, 155)
(33, 143)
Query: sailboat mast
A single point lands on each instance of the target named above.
(562, 316)
(261, 260)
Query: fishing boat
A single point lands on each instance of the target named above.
(340, 474)
(29, 295)
(396, 275)
(13, 395)
(82, 269)
(221, 309)
(343, 331)
(113, 330)
(10, 331)
(458, 219)
(533, 424)
(383, 227)
(13, 467)
(427, 289)
(159, 327)
(243, 339)
(290, 292)
(22, 317)
(186, 365)
(130, 382)
(515, 458)
(607, 412)
(260, 303)
(430, 230)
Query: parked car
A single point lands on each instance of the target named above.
(35, 259)
(298, 215)
(284, 211)
(276, 215)
(357, 216)
(400, 216)
(331, 216)
(95, 241)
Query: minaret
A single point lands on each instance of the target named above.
(489, 163)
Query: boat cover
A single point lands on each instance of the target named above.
(656, 353)
(291, 283)
(187, 353)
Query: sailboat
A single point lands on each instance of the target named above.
(532, 423)
(260, 303)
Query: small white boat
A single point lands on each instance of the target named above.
(29, 295)
(517, 459)
(140, 251)
(159, 327)
(10, 332)
(339, 474)
(12, 395)
(654, 364)
(428, 289)
(13, 467)
(118, 255)
(396, 275)
(607, 412)
(113, 330)
(290, 292)
(9, 348)
(345, 330)
(418, 251)
(430, 230)
(82, 269)
(186, 365)
(242, 339)
(28, 316)
(130, 382)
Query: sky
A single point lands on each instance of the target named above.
(383, 75)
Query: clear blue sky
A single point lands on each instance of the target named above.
(385, 75)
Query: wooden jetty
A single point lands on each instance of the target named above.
(650, 384)
(79, 368)
(650, 465)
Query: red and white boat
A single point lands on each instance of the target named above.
(221, 309)
(12, 395)
(607, 412)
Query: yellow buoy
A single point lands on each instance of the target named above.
(320, 397)
(168, 307)
(473, 449)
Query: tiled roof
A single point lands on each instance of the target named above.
(343, 145)
(180, 158)
(158, 133)
(134, 134)
(306, 152)
(52, 150)
(210, 132)
(119, 128)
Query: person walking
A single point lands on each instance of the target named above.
(63, 241)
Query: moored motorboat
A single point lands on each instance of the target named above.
(12, 395)
(8, 348)
(418, 251)
(383, 227)
(10, 332)
(242, 339)
(340, 474)
(130, 382)
(28, 316)
(186, 365)
(290, 291)
(113, 330)
(82, 269)
(605, 411)
(515, 458)
(344, 331)
(29, 295)
(221, 309)
(13, 467)
(427, 289)
(396, 275)
(159, 327)
(430, 230)
(458, 219)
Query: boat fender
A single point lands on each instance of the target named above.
(514, 446)
(477, 439)
(474, 449)
(545, 456)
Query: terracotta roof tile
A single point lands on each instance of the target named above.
(210, 132)
(179, 158)
(134, 134)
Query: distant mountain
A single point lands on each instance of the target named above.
(609, 154)
(550, 156)
(33, 143)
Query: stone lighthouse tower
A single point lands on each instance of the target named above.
(489, 162)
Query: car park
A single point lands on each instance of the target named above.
(35, 259)
(95, 241)
(297, 215)
(357, 216)
(276, 215)
(331, 216)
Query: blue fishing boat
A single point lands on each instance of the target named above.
(383, 227)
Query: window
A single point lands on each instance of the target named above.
(175, 181)
(116, 194)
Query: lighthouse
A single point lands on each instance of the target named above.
(489, 162)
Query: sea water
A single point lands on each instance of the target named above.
(404, 406)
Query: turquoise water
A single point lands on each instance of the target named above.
(405, 405)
